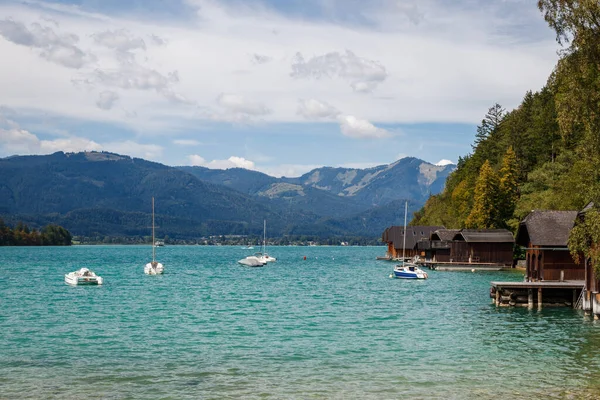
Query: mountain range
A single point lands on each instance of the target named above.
(99, 194)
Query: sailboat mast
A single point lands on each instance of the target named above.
(264, 236)
(153, 241)
(404, 243)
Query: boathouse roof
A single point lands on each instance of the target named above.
(546, 228)
(485, 236)
(444, 235)
(395, 235)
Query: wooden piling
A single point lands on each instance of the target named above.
(530, 298)
(540, 298)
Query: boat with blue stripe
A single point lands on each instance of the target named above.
(409, 271)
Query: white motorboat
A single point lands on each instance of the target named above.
(407, 270)
(159, 243)
(83, 276)
(252, 261)
(154, 267)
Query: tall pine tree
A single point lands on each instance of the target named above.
(484, 214)
(508, 192)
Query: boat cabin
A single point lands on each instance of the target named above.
(545, 235)
(394, 237)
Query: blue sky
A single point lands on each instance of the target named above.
(277, 86)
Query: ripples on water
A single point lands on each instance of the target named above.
(331, 326)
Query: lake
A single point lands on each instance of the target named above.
(333, 326)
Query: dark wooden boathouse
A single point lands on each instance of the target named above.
(552, 278)
(454, 248)
(394, 237)
(437, 248)
(483, 246)
(545, 235)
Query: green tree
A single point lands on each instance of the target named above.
(508, 192)
(484, 214)
(584, 239)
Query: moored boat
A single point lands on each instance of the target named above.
(154, 267)
(83, 276)
(252, 261)
(409, 271)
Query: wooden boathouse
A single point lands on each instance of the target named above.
(437, 248)
(545, 236)
(394, 237)
(552, 278)
(454, 249)
(483, 246)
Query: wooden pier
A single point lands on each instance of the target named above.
(537, 294)
(465, 266)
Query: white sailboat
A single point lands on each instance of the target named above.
(264, 256)
(407, 270)
(259, 259)
(153, 267)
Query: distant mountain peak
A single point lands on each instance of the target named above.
(443, 163)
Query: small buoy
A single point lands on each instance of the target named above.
(305, 257)
(473, 270)
(391, 275)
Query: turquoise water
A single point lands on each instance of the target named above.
(333, 326)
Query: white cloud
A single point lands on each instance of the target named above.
(288, 170)
(16, 141)
(120, 40)
(436, 71)
(57, 48)
(314, 109)
(259, 58)
(231, 162)
(131, 75)
(363, 74)
(107, 99)
(135, 149)
(157, 40)
(360, 128)
(19, 141)
(196, 161)
(241, 106)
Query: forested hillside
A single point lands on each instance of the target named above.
(545, 154)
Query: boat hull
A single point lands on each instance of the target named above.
(252, 261)
(157, 269)
(409, 275)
